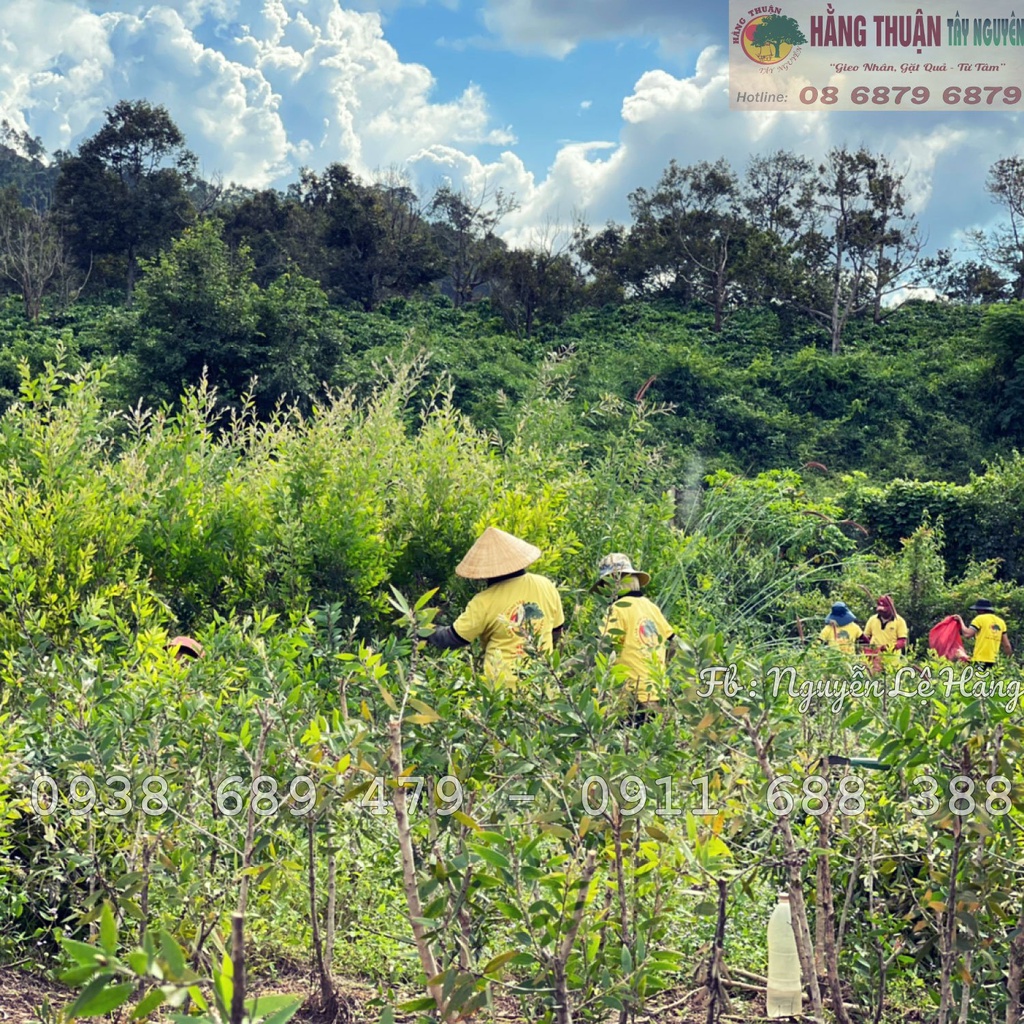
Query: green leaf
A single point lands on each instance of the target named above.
(108, 929)
(148, 1004)
(138, 962)
(284, 1014)
(387, 1017)
(75, 976)
(99, 997)
(172, 953)
(269, 1004)
(413, 1005)
(498, 961)
(83, 953)
(626, 960)
(493, 857)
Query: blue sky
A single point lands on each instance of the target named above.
(569, 106)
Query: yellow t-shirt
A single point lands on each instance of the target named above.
(990, 636)
(885, 637)
(510, 618)
(641, 635)
(843, 637)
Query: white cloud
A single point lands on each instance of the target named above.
(303, 82)
(687, 119)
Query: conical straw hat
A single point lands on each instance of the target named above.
(496, 553)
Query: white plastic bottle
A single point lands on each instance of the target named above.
(785, 993)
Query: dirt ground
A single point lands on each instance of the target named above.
(22, 993)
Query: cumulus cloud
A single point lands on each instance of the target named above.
(686, 118)
(303, 81)
(259, 91)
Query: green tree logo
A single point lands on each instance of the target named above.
(769, 39)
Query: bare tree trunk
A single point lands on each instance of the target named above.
(794, 860)
(563, 1002)
(412, 895)
(1014, 975)
(718, 1000)
(326, 985)
(238, 969)
(332, 900)
(827, 908)
(256, 764)
(948, 932)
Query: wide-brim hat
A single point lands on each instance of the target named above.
(496, 553)
(185, 645)
(982, 605)
(619, 565)
(840, 614)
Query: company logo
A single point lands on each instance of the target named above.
(768, 36)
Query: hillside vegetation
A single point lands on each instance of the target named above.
(277, 421)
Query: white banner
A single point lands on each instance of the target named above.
(808, 55)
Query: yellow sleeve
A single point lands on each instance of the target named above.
(474, 621)
(901, 628)
(665, 629)
(558, 612)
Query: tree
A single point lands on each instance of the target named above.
(1004, 246)
(23, 164)
(967, 281)
(859, 245)
(407, 257)
(778, 193)
(777, 30)
(32, 253)
(124, 195)
(532, 284)
(198, 311)
(464, 226)
(691, 236)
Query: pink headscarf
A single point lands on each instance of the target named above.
(886, 609)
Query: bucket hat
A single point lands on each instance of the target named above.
(496, 553)
(840, 614)
(619, 565)
(982, 605)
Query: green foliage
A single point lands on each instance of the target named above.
(199, 314)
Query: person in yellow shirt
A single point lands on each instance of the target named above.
(885, 630)
(990, 634)
(841, 629)
(517, 615)
(641, 635)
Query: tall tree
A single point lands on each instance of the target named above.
(464, 229)
(198, 309)
(124, 194)
(693, 233)
(534, 284)
(1004, 245)
(31, 250)
(862, 242)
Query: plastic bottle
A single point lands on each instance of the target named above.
(785, 993)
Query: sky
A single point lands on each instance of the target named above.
(567, 104)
